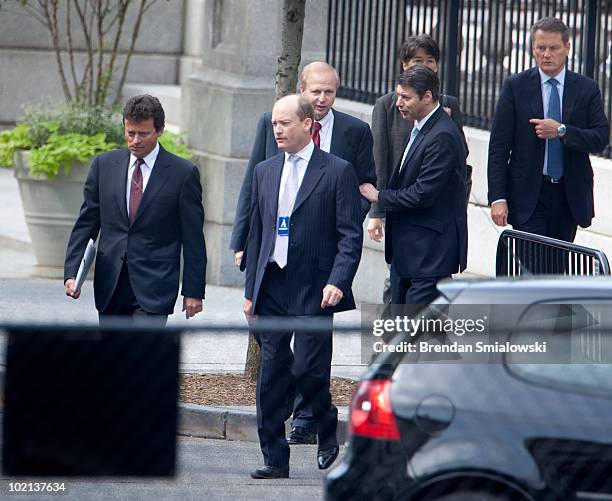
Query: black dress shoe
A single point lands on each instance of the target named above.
(271, 472)
(301, 436)
(326, 457)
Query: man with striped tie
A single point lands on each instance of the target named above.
(146, 205)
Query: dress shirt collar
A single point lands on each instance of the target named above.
(304, 154)
(560, 77)
(419, 124)
(326, 119)
(149, 160)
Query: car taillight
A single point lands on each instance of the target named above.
(371, 412)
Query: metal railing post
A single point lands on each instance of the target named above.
(589, 33)
(451, 51)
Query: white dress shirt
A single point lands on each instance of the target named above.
(545, 88)
(418, 124)
(303, 158)
(325, 134)
(146, 169)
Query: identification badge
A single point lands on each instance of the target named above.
(283, 226)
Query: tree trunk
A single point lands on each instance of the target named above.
(288, 61)
(253, 360)
(287, 65)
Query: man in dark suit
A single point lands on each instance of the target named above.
(391, 131)
(146, 204)
(339, 134)
(548, 119)
(304, 247)
(425, 201)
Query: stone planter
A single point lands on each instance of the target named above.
(50, 208)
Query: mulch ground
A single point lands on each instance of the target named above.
(234, 389)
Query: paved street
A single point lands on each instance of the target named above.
(25, 299)
(207, 470)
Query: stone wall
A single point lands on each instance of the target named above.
(29, 69)
(223, 100)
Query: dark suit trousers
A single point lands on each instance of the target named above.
(124, 303)
(306, 370)
(552, 216)
(413, 290)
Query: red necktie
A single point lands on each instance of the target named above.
(136, 189)
(316, 127)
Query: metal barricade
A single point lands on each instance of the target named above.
(521, 253)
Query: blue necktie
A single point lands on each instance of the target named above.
(413, 135)
(554, 165)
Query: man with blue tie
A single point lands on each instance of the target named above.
(304, 249)
(547, 121)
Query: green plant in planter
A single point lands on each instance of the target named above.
(57, 137)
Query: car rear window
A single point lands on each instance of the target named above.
(596, 378)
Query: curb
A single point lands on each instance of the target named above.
(227, 423)
(16, 244)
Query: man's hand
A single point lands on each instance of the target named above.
(192, 306)
(238, 258)
(448, 110)
(331, 295)
(546, 128)
(368, 191)
(247, 309)
(499, 213)
(68, 286)
(375, 229)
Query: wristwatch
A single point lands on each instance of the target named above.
(561, 130)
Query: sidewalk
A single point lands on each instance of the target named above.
(43, 301)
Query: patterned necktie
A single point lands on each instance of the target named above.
(316, 137)
(136, 189)
(285, 206)
(554, 166)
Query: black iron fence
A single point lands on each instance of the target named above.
(521, 253)
(482, 42)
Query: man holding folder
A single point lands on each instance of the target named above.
(146, 204)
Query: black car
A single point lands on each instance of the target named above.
(505, 429)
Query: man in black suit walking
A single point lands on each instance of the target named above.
(304, 248)
(391, 131)
(146, 204)
(548, 119)
(333, 131)
(425, 202)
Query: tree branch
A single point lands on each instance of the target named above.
(135, 31)
(77, 89)
(50, 8)
(88, 72)
(99, 76)
(122, 8)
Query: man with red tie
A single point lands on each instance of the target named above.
(146, 205)
(334, 132)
